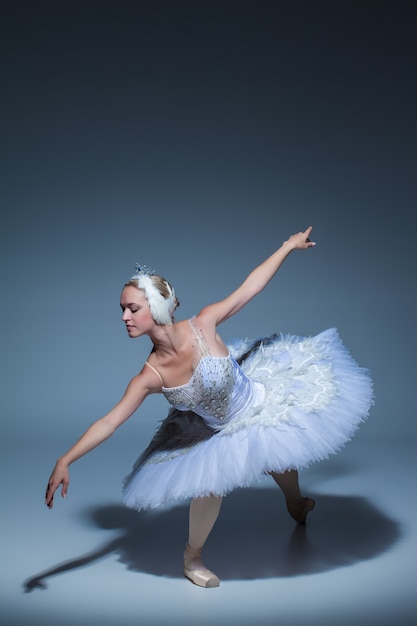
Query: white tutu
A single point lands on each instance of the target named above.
(314, 396)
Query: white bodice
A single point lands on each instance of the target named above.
(218, 389)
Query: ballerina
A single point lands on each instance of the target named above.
(240, 411)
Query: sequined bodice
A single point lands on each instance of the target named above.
(208, 391)
(217, 390)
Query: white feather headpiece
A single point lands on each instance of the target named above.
(161, 308)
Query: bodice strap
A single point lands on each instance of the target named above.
(156, 372)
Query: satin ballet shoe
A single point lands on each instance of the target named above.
(299, 509)
(194, 569)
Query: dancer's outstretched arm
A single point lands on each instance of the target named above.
(256, 281)
(137, 390)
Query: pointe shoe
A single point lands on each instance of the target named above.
(195, 571)
(299, 509)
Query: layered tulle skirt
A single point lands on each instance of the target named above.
(314, 397)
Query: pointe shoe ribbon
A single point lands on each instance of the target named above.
(195, 571)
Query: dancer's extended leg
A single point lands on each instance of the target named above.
(203, 515)
(298, 506)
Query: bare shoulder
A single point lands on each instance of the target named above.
(206, 321)
(146, 381)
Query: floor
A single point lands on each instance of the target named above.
(91, 561)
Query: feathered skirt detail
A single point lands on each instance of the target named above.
(315, 397)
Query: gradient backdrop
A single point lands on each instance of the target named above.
(194, 137)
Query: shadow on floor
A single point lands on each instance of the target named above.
(252, 539)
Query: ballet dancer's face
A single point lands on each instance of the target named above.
(136, 313)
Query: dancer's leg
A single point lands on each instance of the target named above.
(288, 482)
(297, 506)
(203, 515)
